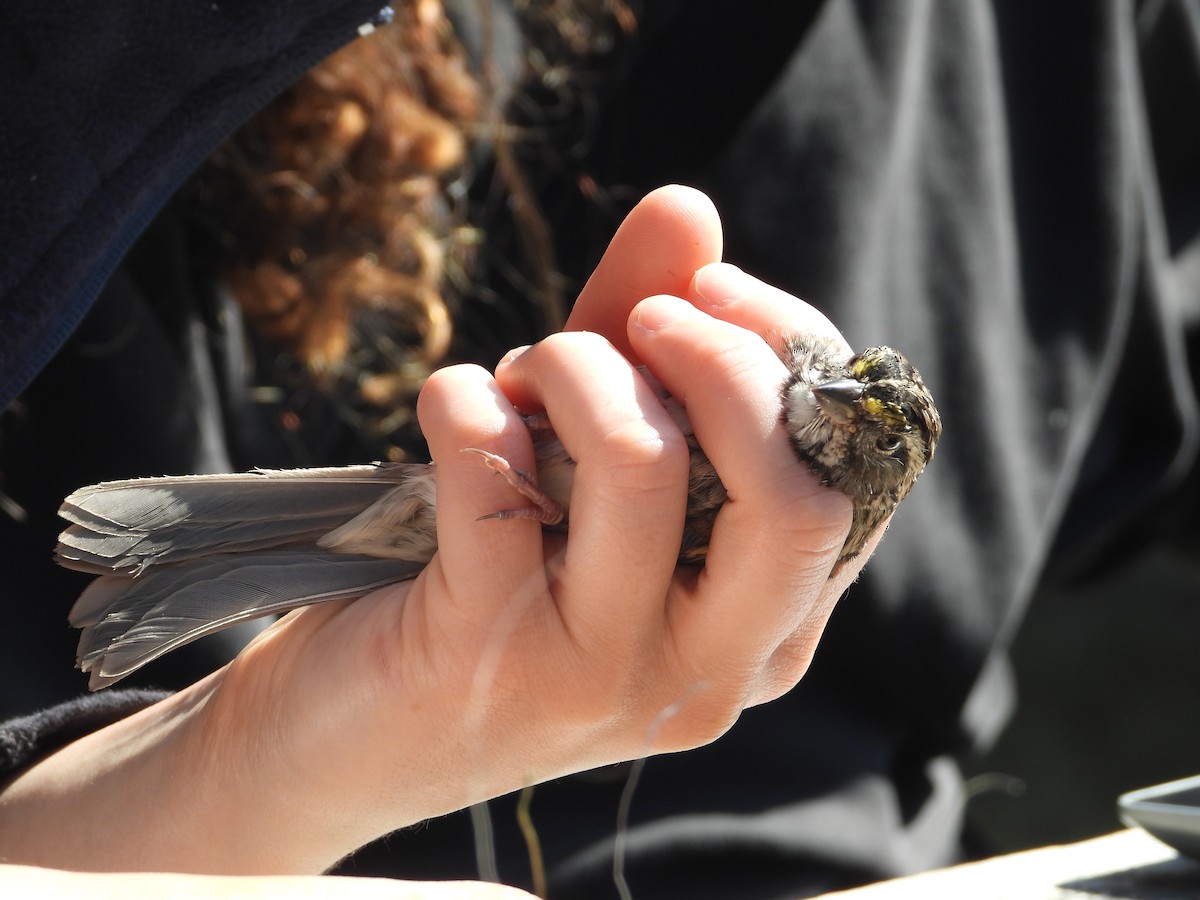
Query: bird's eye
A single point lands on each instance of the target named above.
(888, 443)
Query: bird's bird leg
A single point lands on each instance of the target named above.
(545, 509)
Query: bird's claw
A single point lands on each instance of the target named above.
(544, 509)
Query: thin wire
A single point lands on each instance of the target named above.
(485, 843)
(621, 838)
(537, 863)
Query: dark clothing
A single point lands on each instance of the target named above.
(1009, 192)
(107, 109)
(28, 738)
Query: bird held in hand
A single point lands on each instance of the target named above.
(186, 556)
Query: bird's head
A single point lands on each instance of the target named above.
(867, 426)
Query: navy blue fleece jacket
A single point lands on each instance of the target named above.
(107, 108)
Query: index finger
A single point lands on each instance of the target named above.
(727, 293)
(670, 234)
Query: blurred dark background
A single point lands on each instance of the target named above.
(1108, 676)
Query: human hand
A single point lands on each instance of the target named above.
(515, 656)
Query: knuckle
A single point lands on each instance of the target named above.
(816, 519)
(696, 717)
(684, 704)
(801, 519)
(445, 387)
(737, 364)
(455, 416)
(791, 660)
(640, 448)
(640, 462)
(569, 346)
(451, 378)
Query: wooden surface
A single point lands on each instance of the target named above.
(1129, 865)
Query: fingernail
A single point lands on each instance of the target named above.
(718, 283)
(654, 313)
(514, 353)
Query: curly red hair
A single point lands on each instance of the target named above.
(338, 207)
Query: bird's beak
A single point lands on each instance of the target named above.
(837, 398)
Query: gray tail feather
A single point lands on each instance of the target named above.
(130, 621)
(130, 525)
(184, 557)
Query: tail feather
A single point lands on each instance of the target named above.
(129, 525)
(79, 546)
(128, 622)
(183, 557)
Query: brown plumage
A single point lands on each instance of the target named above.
(183, 557)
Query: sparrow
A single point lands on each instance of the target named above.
(182, 557)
